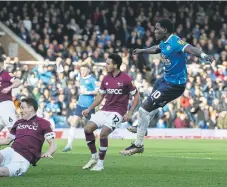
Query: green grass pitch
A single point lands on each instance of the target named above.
(165, 163)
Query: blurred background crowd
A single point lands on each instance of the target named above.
(73, 32)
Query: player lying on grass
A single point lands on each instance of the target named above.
(28, 135)
(116, 87)
(169, 87)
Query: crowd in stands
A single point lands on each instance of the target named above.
(73, 32)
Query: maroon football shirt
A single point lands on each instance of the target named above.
(5, 79)
(117, 90)
(29, 137)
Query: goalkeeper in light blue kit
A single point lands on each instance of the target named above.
(172, 85)
(87, 91)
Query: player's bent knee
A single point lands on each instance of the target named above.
(149, 105)
(87, 129)
(105, 132)
(90, 127)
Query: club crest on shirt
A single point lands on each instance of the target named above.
(120, 84)
(168, 47)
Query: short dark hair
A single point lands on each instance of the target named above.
(116, 59)
(31, 102)
(167, 24)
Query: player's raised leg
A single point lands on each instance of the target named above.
(103, 148)
(163, 93)
(90, 139)
(144, 121)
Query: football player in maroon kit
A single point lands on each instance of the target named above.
(116, 88)
(28, 135)
(7, 108)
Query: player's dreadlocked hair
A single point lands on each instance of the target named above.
(167, 24)
(31, 102)
(116, 59)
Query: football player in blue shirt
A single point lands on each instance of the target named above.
(169, 87)
(88, 90)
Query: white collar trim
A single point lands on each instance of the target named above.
(168, 38)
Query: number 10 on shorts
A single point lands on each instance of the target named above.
(156, 94)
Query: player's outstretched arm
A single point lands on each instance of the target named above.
(51, 150)
(197, 52)
(152, 50)
(97, 101)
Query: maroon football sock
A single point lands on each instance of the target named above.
(103, 148)
(90, 139)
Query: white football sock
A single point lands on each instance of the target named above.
(100, 162)
(144, 120)
(95, 155)
(72, 132)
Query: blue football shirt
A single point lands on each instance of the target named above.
(89, 84)
(174, 59)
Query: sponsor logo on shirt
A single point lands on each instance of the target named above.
(165, 60)
(114, 91)
(33, 126)
(181, 42)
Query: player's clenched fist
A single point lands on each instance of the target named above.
(85, 112)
